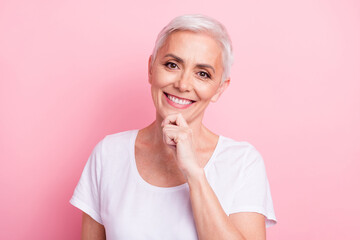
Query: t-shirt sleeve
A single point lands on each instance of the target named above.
(252, 190)
(86, 195)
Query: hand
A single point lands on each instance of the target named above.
(178, 136)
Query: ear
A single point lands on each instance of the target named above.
(149, 69)
(220, 90)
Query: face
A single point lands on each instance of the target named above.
(186, 75)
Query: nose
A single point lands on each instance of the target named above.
(184, 83)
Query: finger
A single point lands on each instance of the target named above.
(169, 137)
(173, 133)
(175, 119)
(169, 141)
(169, 133)
(169, 120)
(177, 133)
(172, 127)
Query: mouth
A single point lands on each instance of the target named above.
(177, 101)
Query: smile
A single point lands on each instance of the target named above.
(178, 102)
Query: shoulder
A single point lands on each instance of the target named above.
(237, 156)
(113, 152)
(116, 141)
(113, 144)
(120, 136)
(238, 151)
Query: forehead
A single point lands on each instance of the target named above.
(190, 46)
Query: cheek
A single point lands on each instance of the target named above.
(161, 78)
(206, 90)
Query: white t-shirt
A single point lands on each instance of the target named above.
(114, 194)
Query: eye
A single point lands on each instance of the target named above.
(171, 65)
(204, 74)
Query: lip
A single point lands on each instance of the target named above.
(176, 105)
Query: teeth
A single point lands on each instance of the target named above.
(179, 101)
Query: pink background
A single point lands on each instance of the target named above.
(74, 71)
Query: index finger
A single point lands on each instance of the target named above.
(176, 119)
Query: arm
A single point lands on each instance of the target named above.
(92, 230)
(251, 224)
(211, 220)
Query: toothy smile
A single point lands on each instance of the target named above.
(181, 101)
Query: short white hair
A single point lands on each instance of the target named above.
(199, 23)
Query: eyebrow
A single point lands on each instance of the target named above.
(174, 56)
(180, 60)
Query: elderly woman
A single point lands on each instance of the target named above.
(175, 179)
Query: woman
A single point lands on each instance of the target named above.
(175, 179)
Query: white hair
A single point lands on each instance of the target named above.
(199, 23)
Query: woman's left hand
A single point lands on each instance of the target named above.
(178, 136)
